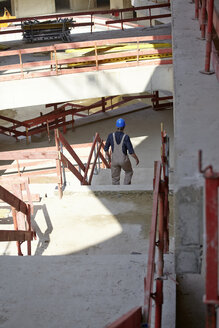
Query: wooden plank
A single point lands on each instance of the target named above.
(28, 154)
(12, 200)
(18, 235)
(70, 150)
(35, 198)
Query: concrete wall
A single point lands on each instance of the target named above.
(38, 91)
(119, 4)
(22, 8)
(82, 4)
(195, 127)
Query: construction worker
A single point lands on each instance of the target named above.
(120, 143)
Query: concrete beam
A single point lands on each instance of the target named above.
(39, 91)
(82, 4)
(24, 8)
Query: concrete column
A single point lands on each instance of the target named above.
(23, 8)
(82, 4)
(119, 4)
(195, 127)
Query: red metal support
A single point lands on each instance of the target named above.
(209, 37)
(151, 252)
(196, 9)
(58, 164)
(21, 213)
(203, 19)
(212, 251)
(132, 319)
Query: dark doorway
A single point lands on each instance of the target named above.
(101, 3)
(62, 4)
(5, 4)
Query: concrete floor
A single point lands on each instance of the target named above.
(107, 240)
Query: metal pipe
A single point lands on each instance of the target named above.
(211, 225)
(203, 19)
(209, 36)
(196, 9)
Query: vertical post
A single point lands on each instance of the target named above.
(58, 165)
(203, 18)
(211, 226)
(159, 281)
(209, 36)
(14, 215)
(196, 9)
(29, 229)
(63, 167)
(96, 55)
(150, 17)
(21, 64)
(64, 126)
(18, 167)
(137, 52)
(56, 60)
(91, 20)
(103, 104)
(27, 137)
(51, 58)
(47, 127)
(121, 21)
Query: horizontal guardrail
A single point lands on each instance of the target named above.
(54, 66)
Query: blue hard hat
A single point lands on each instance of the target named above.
(120, 123)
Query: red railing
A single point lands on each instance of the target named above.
(211, 298)
(208, 17)
(58, 117)
(99, 144)
(54, 66)
(47, 162)
(142, 317)
(91, 15)
(21, 213)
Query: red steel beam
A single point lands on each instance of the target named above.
(56, 16)
(71, 167)
(211, 194)
(151, 252)
(209, 36)
(132, 319)
(16, 235)
(12, 200)
(71, 151)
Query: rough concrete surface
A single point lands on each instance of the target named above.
(195, 127)
(196, 100)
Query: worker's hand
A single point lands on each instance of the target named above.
(137, 161)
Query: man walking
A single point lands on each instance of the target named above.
(120, 144)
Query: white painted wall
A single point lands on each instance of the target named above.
(22, 8)
(38, 91)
